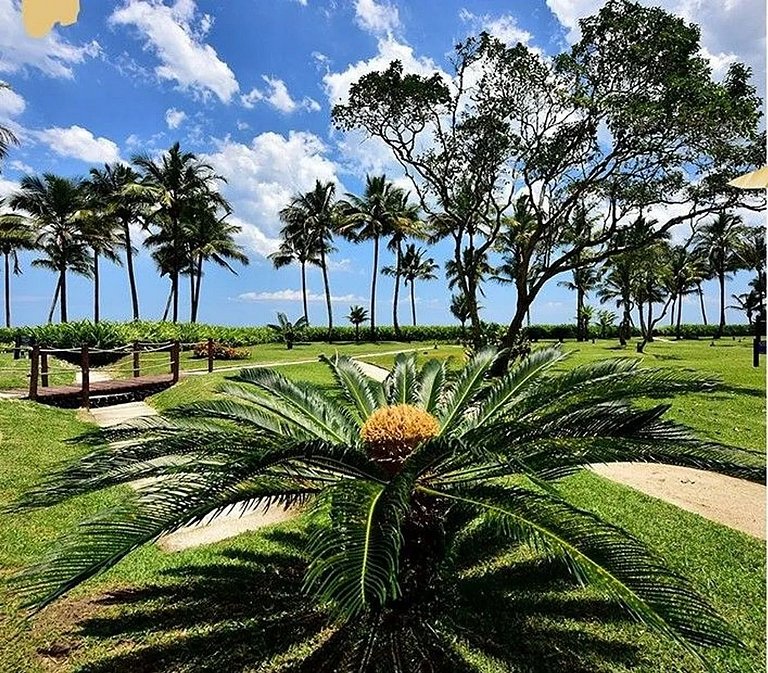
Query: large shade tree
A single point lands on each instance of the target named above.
(54, 205)
(419, 486)
(628, 118)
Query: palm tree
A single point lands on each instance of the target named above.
(316, 212)
(617, 286)
(606, 319)
(54, 204)
(415, 266)
(15, 236)
(288, 331)
(459, 308)
(7, 137)
(357, 316)
(211, 238)
(717, 242)
(120, 194)
(584, 280)
(414, 481)
(178, 182)
(368, 218)
(751, 253)
(686, 272)
(748, 303)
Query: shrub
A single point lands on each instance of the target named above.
(220, 352)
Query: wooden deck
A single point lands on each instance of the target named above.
(103, 393)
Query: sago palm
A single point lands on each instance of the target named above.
(408, 479)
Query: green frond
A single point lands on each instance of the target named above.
(362, 392)
(465, 388)
(400, 386)
(431, 385)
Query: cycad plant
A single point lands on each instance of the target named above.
(289, 331)
(406, 478)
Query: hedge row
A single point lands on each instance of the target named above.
(113, 334)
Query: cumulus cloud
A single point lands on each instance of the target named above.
(76, 142)
(175, 34)
(294, 295)
(277, 95)
(378, 18)
(503, 27)
(11, 104)
(174, 118)
(263, 176)
(51, 55)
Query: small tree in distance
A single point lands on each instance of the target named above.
(357, 316)
(290, 331)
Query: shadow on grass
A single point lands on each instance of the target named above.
(249, 613)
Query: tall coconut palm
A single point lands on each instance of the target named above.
(416, 266)
(117, 188)
(686, 271)
(751, 253)
(415, 480)
(717, 241)
(211, 238)
(317, 212)
(178, 182)
(617, 286)
(583, 281)
(15, 236)
(54, 204)
(369, 218)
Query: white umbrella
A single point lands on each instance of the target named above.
(755, 180)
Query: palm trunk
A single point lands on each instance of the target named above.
(96, 283)
(580, 336)
(641, 313)
(413, 302)
(191, 293)
(168, 304)
(672, 312)
(198, 284)
(679, 315)
(721, 327)
(55, 300)
(625, 328)
(131, 272)
(650, 321)
(7, 289)
(396, 299)
(701, 302)
(63, 294)
(175, 295)
(304, 290)
(373, 286)
(327, 287)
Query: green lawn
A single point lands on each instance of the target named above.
(14, 374)
(203, 609)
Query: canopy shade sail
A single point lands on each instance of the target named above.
(755, 180)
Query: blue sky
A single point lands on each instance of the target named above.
(248, 84)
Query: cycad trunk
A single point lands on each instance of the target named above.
(413, 302)
(721, 326)
(96, 283)
(700, 292)
(327, 287)
(374, 276)
(131, 272)
(396, 299)
(7, 262)
(304, 290)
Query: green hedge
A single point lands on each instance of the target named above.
(111, 334)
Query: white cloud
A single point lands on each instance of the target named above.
(503, 27)
(294, 295)
(78, 143)
(264, 175)
(174, 118)
(7, 187)
(11, 104)
(278, 96)
(243, 126)
(253, 238)
(175, 35)
(378, 18)
(51, 55)
(21, 167)
(735, 28)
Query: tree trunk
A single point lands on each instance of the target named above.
(672, 312)
(396, 300)
(701, 302)
(168, 304)
(191, 293)
(580, 335)
(96, 284)
(413, 302)
(650, 321)
(679, 315)
(175, 294)
(641, 313)
(357, 332)
(63, 294)
(198, 285)
(304, 290)
(7, 289)
(131, 272)
(55, 300)
(721, 327)
(625, 328)
(327, 286)
(373, 286)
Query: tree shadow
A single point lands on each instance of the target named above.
(247, 610)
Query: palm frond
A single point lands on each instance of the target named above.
(363, 393)
(431, 385)
(400, 386)
(464, 389)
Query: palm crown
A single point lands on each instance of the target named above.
(403, 476)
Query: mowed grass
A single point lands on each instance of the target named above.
(14, 374)
(202, 609)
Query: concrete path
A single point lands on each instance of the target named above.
(736, 503)
(120, 413)
(372, 371)
(95, 376)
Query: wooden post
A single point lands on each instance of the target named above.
(17, 347)
(210, 355)
(175, 350)
(44, 369)
(136, 367)
(85, 374)
(34, 370)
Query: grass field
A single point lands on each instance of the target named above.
(203, 609)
